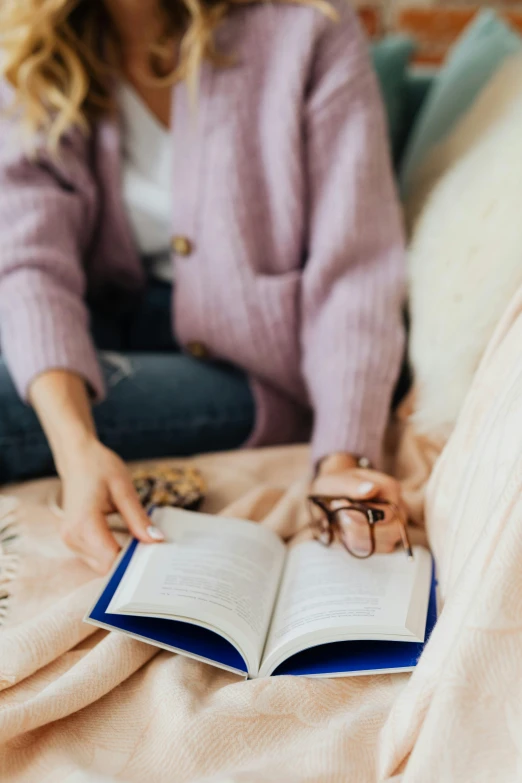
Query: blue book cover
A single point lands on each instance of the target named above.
(188, 637)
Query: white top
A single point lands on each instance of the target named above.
(147, 181)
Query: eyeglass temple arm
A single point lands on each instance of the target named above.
(405, 540)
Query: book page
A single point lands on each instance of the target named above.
(327, 596)
(222, 573)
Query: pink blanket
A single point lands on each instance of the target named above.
(81, 705)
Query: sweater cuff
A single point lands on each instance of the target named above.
(373, 451)
(362, 436)
(41, 336)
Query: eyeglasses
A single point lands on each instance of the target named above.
(352, 523)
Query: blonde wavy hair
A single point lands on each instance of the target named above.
(60, 56)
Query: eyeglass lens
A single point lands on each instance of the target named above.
(355, 531)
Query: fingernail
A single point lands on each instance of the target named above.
(365, 487)
(155, 533)
(360, 550)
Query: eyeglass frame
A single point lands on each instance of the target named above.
(370, 509)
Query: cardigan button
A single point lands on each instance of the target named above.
(182, 246)
(198, 350)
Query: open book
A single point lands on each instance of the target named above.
(230, 593)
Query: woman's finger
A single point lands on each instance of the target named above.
(89, 536)
(365, 485)
(359, 485)
(128, 504)
(370, 484)
(358, 536)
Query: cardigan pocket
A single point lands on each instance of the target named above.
(279, 290)
(276, 315)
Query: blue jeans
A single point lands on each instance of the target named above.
(160, 402)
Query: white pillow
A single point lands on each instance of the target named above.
(465, 259)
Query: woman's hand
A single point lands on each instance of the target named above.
(96, 482)
(339, 476)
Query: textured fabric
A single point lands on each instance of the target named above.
(79, 703)
(159, 403)
(459, 717)
(296, 272)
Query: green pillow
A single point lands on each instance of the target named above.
(391, 58)
(477, 55)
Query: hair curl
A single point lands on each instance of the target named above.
(61, 56)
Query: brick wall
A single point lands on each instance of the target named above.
(435, 24)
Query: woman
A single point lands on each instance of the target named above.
(256, 191)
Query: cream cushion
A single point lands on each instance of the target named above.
(465, 259)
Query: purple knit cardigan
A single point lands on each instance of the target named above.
(294, 268)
